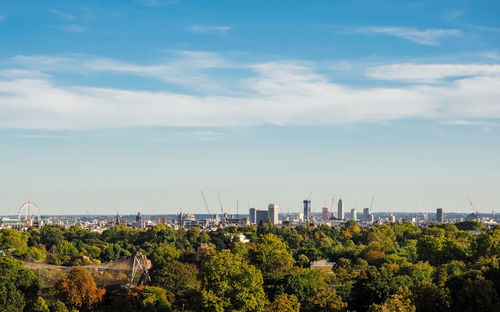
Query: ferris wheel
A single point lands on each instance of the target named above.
(28, 212)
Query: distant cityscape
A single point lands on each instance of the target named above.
(29, 215)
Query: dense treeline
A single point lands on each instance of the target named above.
(395, 267)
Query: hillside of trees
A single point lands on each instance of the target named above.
(396, 267)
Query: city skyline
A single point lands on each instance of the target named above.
(107, 106)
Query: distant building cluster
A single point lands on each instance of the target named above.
(26, 218)
(257, 216)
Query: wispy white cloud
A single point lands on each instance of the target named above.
(2, 17)
(429, 36)
(490, 55)
(183, 68)
(207, 29)
(279, 93)
(452, 15)
(199, 135)
(74, 28)
(470, 123)
(431, 73)
(64, 15)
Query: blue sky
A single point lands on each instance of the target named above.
(108, 106)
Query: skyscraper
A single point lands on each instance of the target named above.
(439, 215)
(261, 216)
(307, 210)
(340, 214)
(366, 214)
(252, 213)
(273, 213)
(353, 214)
(325, 214)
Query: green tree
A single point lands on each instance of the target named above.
(306, 284)
(13, 242)
(284, 303)
(429, 297)
(375, 285)
(153, 299)
(51, 235)
(180, 279)
(471, 292)
(66, 248)
(380, 238)
(229, 283)
(58, 306)
(486, 244)
(350, 231)
(400, 302)
(404, 231)
(326, 300)
(18, 286)
(36, 254)
(40, 306)
(470, 225)
(271, 255)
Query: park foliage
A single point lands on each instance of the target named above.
(395, 267)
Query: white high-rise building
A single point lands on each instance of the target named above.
(273, 213)
(353, 214)
(340, 213)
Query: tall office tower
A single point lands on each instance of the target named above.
(366, 214)
(138, 218)
(261, 216)
(252, 213)
(325, 214)
(273, 213)
(161, 220)
(392, 218)
(439, 215)
(353, 214)
(307, 209)
(340, 213)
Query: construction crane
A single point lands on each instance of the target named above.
(474, 211)
(220, 204)
(205, 201)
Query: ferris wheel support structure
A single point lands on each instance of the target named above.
(28, 212)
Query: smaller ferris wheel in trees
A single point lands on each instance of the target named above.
(29, 214)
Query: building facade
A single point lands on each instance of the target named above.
(325, 214)
(252, 215)
(272, 210)
(366, 214)
(439, 215)
(307, 210)
(340, 213)
(261, 216)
